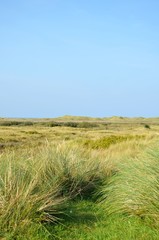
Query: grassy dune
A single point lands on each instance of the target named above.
(81, 181)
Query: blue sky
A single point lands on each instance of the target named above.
(79, 57)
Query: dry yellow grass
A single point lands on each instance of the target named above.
(37, 134)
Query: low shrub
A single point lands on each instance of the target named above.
(147, 126)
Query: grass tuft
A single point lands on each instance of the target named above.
(134, 188)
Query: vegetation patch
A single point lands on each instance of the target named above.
(15, 123)
(106, 142)
(78, 189)
(134, 188)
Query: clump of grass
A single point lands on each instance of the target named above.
(79, 171)
(134, 188)
(28, 195)
(35, 185)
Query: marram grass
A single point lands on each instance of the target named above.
(36, 185)
(28, 194)
(78, 170)
(134, 189)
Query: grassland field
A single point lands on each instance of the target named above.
(77, 178)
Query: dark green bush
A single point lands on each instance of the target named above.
(147, 126)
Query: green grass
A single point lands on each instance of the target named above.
(88, 221)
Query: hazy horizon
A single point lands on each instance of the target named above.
(80, 58)
(78, 116)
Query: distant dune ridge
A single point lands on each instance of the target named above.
(69, 118)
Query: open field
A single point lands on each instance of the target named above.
(79, 178)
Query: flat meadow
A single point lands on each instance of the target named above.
(79, 178)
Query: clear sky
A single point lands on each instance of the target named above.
(79, 57)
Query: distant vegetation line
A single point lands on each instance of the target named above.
(75, 121)
(77, 124)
